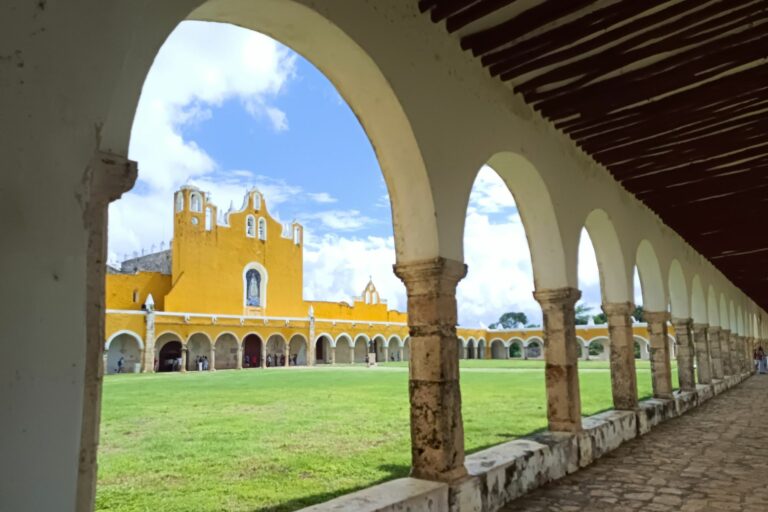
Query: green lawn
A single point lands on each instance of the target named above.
(283, 439)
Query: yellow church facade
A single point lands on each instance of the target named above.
(228, 294)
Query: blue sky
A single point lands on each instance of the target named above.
(225, 108)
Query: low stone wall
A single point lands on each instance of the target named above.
(504, 472)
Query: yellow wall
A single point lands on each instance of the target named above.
(120, 288)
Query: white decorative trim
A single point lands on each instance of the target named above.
(124, 331)
(264, 278)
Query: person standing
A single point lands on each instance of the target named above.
(120, 363)
(761, 361)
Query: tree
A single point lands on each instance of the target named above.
(638, 314)
(600, 318)
(582, 313)
(510, 320)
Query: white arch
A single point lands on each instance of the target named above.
(712, 310)
(393, 337)
(124, 331)
(350, 340)
(223, 333)
(678, 291)
(698, 302)
(199, 332)
(180, 339)
(614, 278)
(537, 214)
(651, 281)
(533, 339)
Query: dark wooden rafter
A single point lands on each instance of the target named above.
(671, 96)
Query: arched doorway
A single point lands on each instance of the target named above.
(516, 349)
(361, 349)
(533, 350)
(125, 346)
(498, 351)
(226, 352)
(378, 343)
(323, 350)
(198, 352)
(169, 353)
(275, 352)
(252, 351)
(471, 349)
(481, 349)
(394, 349)
(343, 349)
(407, 349)
(297, 351)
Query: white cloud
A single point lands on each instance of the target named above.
(322, 197)
(339, 220)
(200, 66)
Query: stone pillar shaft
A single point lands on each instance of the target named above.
(184, 352)
(735, 360)
(684, 354)
(212, 359)
(701, 347)
(333, 355)
(386, 354)
(725, 351)
(661, 368)
(437, 430)
(240, 356)
(286, 354)
(622, 355)
(148, 365)
(562, 371)
(714, 352)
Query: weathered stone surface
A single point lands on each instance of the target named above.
(685, 401)
(725, 351)
(653, 412)
(404, 494)
(711, 459)
(437, 432)
(701, 348)
(685, 371)
(622, 354)
(661, 370)
(562, 372)
(605, 432)
(714, 352)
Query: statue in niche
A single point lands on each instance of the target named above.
(253, 288)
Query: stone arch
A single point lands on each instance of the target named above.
(127, 345)
(356, 76)
(274, 350)
(678, 291)
(516, 348)
(394, 348)
(481, 348)
(460, 344)
(651, 280)
(361, 348)
(537, 213)
(713, 312)
(168, 352)
(599, 348)
(323, 346)
(583, 348)
(698, 302)
(378, 343)
(642, 346)
(498, 349)
(225, 347)
(253, 351)
(534, 348)
(614, 278)
(343, 345)
(471, 349)
(407, 348)
(198, 347)
(297, 350)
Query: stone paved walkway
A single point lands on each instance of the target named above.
(714, 458)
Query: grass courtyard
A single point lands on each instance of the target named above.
(284, 439)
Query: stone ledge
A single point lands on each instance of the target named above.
(685, 401)
(605, 432)
(718, 386)
(704, 392)
(652, 412)
(404, 494)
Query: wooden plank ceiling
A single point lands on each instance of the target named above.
(670, 96)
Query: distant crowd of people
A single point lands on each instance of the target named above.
(272, 360)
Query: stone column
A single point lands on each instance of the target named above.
(562, 370)
(701, 348)
(183, 358)
(714, 352)
(725, 351)
(386, 353)
(622, 355)
(661, 369)
(240, 356)
(333, 355)
(212, 359)
(685, 371)
(735, 359)
(352, 355)
(286, 354)
(148, 365)
(437, 430)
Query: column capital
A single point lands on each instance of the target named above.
(700, 327)
(714, 328)
(681, 322)
(617, 308)
(557, 297)
(725, 331)
(653, 317)
(422, 275)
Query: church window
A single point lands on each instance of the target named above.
(253, 288)
(256, 201)
(250, 226)
(195, 202)
(262, 228)
(179, 201)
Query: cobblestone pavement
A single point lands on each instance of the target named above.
(714, 458)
